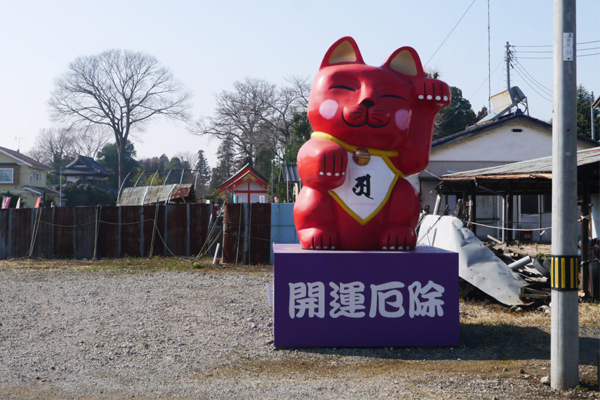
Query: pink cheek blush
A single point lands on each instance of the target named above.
(328, 109)
(402, 118)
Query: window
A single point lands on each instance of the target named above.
(547, 203)
(529, 204)
(6, 175)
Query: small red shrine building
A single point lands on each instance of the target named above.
(248, 185)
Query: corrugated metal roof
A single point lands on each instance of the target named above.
(539, 167)
(289, 173)
(143, 195)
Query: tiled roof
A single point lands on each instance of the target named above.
(22, 157)
(289, 173)
(479, 129)
(83, 165)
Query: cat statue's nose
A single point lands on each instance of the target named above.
(367, 103)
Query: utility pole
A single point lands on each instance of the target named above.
(508, 59)
(593, 127)
(564, 341)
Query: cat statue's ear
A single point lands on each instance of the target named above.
(344, 51)
(406, 61)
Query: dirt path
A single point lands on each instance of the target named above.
(94, 331)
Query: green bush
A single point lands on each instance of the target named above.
(87, 195)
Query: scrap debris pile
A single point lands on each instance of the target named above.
(513, 275)
(534, 271)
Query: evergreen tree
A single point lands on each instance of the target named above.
(108, 157)
(585, 100)
(301, 131)
(482, 114)
(454, 118)
(227, 164)
(174, 170)
(87, 195)
(203, 174)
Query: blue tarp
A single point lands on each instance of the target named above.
(282, 224)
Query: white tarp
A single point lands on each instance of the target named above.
(476, 263)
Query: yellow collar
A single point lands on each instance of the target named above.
(385, 154)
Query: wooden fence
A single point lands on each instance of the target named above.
(104, 232)
(247, 233)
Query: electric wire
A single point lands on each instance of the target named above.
(461, 18)
(524, 70)
(531, 86)
(531, 82)
(470, 97)
(550, 58)
(551, 45)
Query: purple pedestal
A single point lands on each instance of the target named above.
(365, 298)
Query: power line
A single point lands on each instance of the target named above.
(461, 18)
(593, 41)
(544, 45)
(490, 77)
(531, 86)
(545, 51)
(550, 58)
(468, 102)
(541, 86)
(534, 82)
(551, 45)
(551, 51)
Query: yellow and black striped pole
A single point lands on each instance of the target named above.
(564, 274)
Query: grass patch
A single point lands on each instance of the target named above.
(131, 265)
(589, 315)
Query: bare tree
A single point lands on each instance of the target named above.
(188, 157)
(239, 116)
(288, 102)
(88, 142)
(54, 147)
(256, 116)
(122, 90)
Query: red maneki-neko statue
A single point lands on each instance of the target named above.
(372, 127)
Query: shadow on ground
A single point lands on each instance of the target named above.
(479, 342)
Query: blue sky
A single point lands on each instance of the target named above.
(208, 45)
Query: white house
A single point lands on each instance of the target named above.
(22, 175)
(516, 137)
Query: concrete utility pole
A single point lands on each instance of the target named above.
(565, 268)
(508, 54)
(593, 129)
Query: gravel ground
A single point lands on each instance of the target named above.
(99, 334)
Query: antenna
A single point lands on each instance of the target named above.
(489, 63)
(18, 139)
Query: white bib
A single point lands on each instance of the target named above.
(366, 189)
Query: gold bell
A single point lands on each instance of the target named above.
(361, 156)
